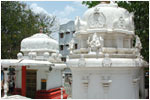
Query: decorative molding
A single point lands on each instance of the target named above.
(81, 62)
(85, 80)
(135, 80)
(106, 61)
(106, 83)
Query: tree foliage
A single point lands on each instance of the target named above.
(141, 20)
(18, 22)
(48, 23)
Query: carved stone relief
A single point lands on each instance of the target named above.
(131, 22)
(95, 43)
(138, 46)
(80, 24)
(97, 19)
(71, 46)
(121, 23)
(106, 61)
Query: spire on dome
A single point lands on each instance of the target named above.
(41, 29)
(105, 2)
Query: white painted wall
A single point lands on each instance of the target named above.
(122, 86)
(54, 79)
(41, 74)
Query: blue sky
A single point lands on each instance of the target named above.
(64, 10)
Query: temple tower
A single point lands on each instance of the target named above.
(106, 64)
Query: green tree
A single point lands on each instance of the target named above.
(17, 23)
(141, 20)
(49, 23)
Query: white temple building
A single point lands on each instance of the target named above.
(38, 69)
(106, 64)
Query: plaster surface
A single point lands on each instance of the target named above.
(106, 65)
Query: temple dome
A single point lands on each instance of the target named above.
(39, 42)
(107, 17)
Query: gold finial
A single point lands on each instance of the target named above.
(105, 2)
(41, 29)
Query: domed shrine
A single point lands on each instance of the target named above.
(38, 69)
(106, 64)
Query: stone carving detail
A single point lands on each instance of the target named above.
(46, 55)
(124, 22)
(82, 62)
(121, 23)
(138, 46)
(106, 61)
(32, 55)
(97, 19)
(95, 43)
(131, 22)
(135, 80)
(85, 80)
(71, 46)
(55, 57)
(79, 24)
(106, 81)
(59, 57)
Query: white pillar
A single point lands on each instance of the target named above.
(61, 93)
(63, 81)
(5, 83)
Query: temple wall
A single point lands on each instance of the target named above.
(54, 79)
(95, 83)
(41, 74)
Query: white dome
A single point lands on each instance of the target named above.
(39, 42)
(107, 17)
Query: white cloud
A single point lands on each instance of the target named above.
(79, 3)
(61, 15)
(64, 13)
(68, 10)
(36, 9)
